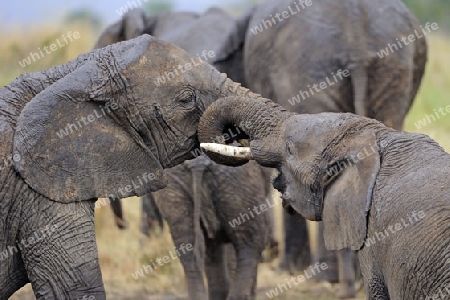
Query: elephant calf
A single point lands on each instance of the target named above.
(208, 205)
(379, 191)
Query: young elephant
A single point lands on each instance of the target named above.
(379, 191)
(208, 205)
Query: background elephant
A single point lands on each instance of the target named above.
(379, 191)
(54, 127)
(296, 55)
(209, 205)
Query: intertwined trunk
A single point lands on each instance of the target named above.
(260, 119)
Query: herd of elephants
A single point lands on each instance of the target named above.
(337, 155)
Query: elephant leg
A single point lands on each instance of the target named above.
(346, 263)
(217, 270)
(193, 267)
(296, 254)
(158, 215)
(59, 250)
(374, 283)
(244, 283)
(116, 206)
(150, 215)
(326, 256)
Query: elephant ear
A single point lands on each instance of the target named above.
(348, 198)
(132, 24)
(72, 149)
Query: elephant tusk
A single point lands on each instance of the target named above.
(231, 151)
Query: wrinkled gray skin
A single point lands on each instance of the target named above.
(55, 180)
(387, 179)
(200, 201)
(313, 44)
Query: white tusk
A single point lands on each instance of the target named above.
(225, 150)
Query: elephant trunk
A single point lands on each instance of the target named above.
(259, 120)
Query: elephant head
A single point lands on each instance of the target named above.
(328, 162)
(109, 126)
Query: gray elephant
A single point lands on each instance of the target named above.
(55, 125)
(381, 192)
(208, 205)
(316, 56)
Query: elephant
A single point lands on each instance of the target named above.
(296, 54)
(209, 206)
(54, 126)
(381, 192)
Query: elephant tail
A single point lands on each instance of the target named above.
(356, 38)
(197, 168)
(359, 83)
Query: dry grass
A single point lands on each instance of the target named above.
(123, 252)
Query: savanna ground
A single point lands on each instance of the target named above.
(124, 252)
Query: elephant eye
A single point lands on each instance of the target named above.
(186, 96)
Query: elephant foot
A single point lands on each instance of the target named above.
(346, 290)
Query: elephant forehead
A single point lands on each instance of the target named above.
(318, 127)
